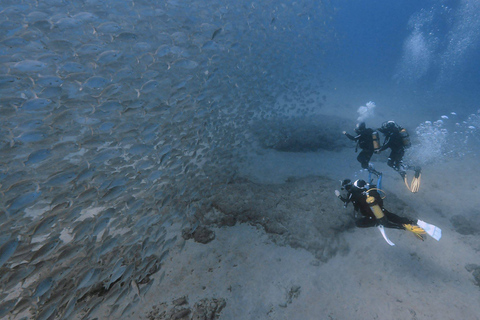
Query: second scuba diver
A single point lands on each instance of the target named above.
(369, 211)
(367, 140)
(397, 139)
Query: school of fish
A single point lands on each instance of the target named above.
(117, 119)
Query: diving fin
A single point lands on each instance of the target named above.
(416, 230)
(382, 231)
(415, 184)
(416, 179)
(433, 231)
(404, 176)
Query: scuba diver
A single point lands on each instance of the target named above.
(367, 140)
(369, 211)
(397, 139)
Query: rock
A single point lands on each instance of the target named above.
(182, 314)
(205, 309)
(294, 213)
(475, 270)
(180, 301)
(201, 234)
(476, 276)
(208, 309)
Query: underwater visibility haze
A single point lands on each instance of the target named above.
(120, 118)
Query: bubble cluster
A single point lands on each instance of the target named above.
(442, 43)
(446, 137)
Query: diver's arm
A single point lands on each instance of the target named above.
(386, 144)
(344, 200)
(349, 136)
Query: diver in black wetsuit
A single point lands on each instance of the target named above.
(397, 139)
(368, 204)
(364, 139)
(394, 141)
(364, 198)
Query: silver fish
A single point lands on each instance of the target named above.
(43, 287)
(45, 250)
(22, 201)
(7, 250)
(29, 66)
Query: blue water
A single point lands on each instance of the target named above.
(430, 47)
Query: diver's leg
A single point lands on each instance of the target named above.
(363, 159)
(391, 160)
(396, 161)
(371, 169)
(392, 217)
(368, 155)
(416, 169)
(365, 222)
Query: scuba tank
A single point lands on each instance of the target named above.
(377, 211)
(391, 127)
(376, 141)
(405, 137)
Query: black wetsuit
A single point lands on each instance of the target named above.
(394, 141)
(365, 142)
(359, 199)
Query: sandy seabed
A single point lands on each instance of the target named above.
(247, 273)
(278, 261)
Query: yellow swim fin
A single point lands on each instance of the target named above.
(416, 180)
(415, 185)
(416, 230)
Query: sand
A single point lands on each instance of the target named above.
(249, 271)
(245, 274)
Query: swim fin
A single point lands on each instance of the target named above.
(382, 231)
(417, 231)
(406, 182)
(433, 231)
(415, 185)
(416, 179)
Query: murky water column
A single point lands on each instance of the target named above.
(117, 119)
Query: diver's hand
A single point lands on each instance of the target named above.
(344, 132)
(337, 193)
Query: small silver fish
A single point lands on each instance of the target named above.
(7, 250)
